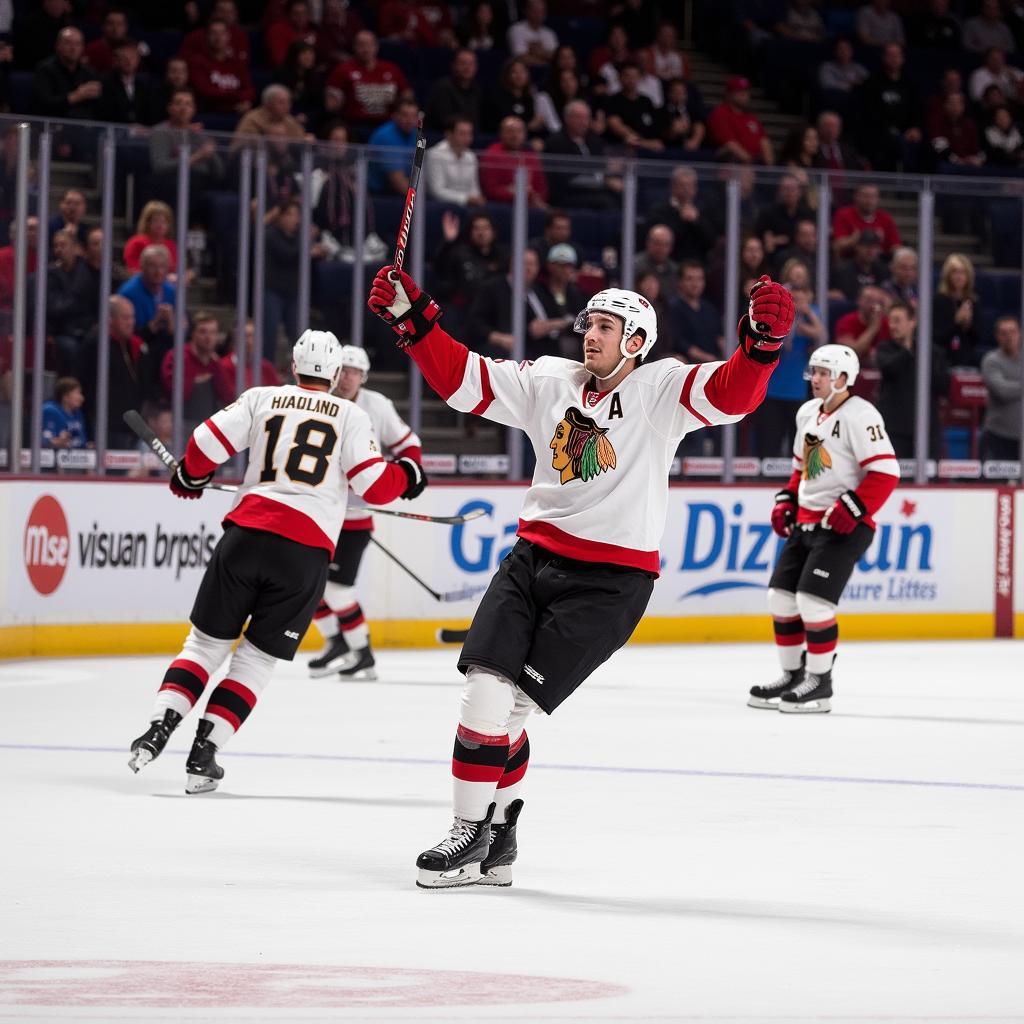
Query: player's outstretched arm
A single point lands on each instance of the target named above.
(369, 474)
(498, 390)
(214, 441)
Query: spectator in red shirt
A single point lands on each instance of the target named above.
(226, 11)
(499, 161)
(734, 131)
(155, 227)
(221, 81)
(7, 260)
(849, 221)
(99, 54)
(205, 390)
(296, 26)
(339, 25)
(227, 367)
(867, 325)
(364, 90)
(417, 24)
(953, 135)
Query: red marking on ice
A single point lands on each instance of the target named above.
(158, 983)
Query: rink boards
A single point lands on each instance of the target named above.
(93, 567)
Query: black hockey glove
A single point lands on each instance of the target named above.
(417, 478)
(184, 485)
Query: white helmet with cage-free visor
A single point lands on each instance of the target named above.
(636, 314)
(353, 355)
(836, 359)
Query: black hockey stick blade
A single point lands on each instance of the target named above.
(134, 421)
(420, 517)
(452, 636)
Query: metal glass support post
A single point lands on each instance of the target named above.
(821, 255)
(242, 284)
(730, 314)
(628, 258)
(305, 239)
(259, 258)
(39, 349)
(514, 437)
(108, 158)
(358, 241)
(181, 291)
(20, 298)
(923, 344)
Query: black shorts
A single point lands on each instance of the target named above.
(270, 580)
(820, 562)
(344, 567)
(546, 622)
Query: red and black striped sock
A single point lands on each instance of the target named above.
(478, 763)
(789, 641)
(184, 682)
(228, 707)
(511, 782)
(353, 626)
(326, 621)
(822, 638)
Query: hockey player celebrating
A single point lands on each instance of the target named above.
(307, 449)
(573, 589)
(340, 617)
(844, 469)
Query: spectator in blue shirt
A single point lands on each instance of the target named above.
(150, 293)
(697, 325)
(63, 422)
(389, 175)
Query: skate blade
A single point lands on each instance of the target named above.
(458, 878)
(139, 759)
(324, 670)
(200, 784)
(768, 703)
(364, 675)
(816, 707)
(500, 875)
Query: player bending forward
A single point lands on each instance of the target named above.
(340, 617)
(307, 449)
(844, 468)
(577, 582)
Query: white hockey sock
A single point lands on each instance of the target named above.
(350, 618)
(236, 695)
(187, 676)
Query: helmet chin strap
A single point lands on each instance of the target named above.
(626, 356)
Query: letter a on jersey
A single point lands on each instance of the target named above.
(816, 457)
(580, 447)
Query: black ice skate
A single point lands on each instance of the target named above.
(361, 665)
(768, 696)
(202, 773)
(149, 745)
(328, 660)
(812, 696)
(456, 859)
(496, 868)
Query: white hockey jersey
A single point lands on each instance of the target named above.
(833, 452)
(600, 488)
(395, 437)
(306, 450)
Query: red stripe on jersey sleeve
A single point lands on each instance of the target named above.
(404, 437)
(442, 361)
(485, 390)
(356, 470)
(197, 463)
(388, 486)
(219, 434)
(875, 458)
(738, 386)
(684, 398)
(874, 490)
(262, 513)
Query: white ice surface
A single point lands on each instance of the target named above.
(682, 857)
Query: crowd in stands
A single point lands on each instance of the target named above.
(565, 90)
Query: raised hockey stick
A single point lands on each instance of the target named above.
(410, 201)
(462, 594)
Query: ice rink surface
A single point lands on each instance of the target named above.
(682, 857)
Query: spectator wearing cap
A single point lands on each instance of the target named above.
(128, 97)
(451, 167)
(63, 422)
(954, 135)
(693, 234)
(589, 187)
(499, 162)
(863, 214)
(363, 90)
(878, 25)
(458, 94)
(1001, 370)
(220, 79)
(389, 175)
(987, 29)
(561, 297)
(530, 38)
(864, 327)
(657, 258)
(697, 325)
(734, 131)
(866, 268)
(995, 71)
(632, 117)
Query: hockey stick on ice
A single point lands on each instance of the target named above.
(142, 431)
(462, 594)
(452, 636)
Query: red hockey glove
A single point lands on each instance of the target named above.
(784, 513)
(417, 478)
(408, 310)
(768, 321)
(845, 514)
(184, 485)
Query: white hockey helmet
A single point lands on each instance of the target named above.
(353, 355)
(317, 354)
(635, 312)
(836, 359)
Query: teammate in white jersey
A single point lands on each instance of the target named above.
(307, 450)
(573, 589)
(844, 469)
(340, 617)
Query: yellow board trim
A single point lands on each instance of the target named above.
(49, 641)
(1018, 625)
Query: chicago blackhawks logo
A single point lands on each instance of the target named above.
(816, 457)
(580, 447)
